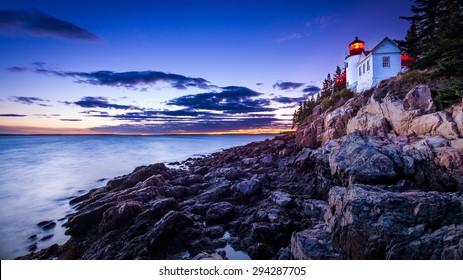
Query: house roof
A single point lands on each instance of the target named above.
(366, 54)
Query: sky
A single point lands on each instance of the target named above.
(177, 66)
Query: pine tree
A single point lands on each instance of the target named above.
(434, 38)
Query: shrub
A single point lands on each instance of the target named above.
(450, 94)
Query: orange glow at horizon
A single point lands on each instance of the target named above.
(25, 130)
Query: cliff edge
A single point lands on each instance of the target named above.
(376, 176)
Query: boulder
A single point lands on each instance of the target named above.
(369, 124)
(219, 213)
(314, 244)
(419, 98)
(436, 124)
(250, 187)
(281, 198)
(167, 230)
(368, 223)
(457, 116)
(358, 161)
(118, 215)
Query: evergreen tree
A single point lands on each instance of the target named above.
(434, 38)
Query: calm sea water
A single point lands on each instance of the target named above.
(39, 175)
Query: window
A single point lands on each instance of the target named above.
(386, 61)
(360, 71)
(368, 65)
(364, 68)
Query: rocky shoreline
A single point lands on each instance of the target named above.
(378, 177)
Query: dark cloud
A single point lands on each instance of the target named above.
(99, 102)
(287, 85)
(311, 89)
(12, 115)
(17, 69)
(90, 112)
(130, 80)
(231, 100)
(71, 120)
(37, 23)
(30, 100)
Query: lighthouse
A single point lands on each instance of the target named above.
(356, 48)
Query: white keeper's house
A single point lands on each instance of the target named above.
(366, 68)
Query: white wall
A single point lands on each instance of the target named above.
(365, 81)
(351, 71)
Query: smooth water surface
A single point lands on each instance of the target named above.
(40, 174)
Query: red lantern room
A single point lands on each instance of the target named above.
(356, 47)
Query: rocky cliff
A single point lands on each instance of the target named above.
(378, 176)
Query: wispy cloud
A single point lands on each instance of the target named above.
(289, 37)
(37, 23)
(30, 100)
(324, 21)
(71, 120)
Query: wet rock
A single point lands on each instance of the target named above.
(208, 256)
(118, 215)
(281, 198)
(167, 230)
(215, 231)
(313, 244)
(260, 251)
(251, 187)
(32, 237)
(46, 238)
(219, 213)
(32, 247)
(47, 225)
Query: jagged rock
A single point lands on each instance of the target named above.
(450, 158)
(436, 124)
(118, 215)
(250, 187)
(335, 122)
(261, 251)
(445, 243)
(419, 98)
(313, 244)
(358, 161)
(219, 213)
(369, 124)
(367, 222)
(457, 116)
(281, 198)
(166, 229)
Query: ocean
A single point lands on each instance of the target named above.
(40, 174)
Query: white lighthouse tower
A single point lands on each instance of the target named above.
(356, 48)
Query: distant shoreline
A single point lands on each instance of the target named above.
(144, 135)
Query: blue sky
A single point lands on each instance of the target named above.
(153, 67)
